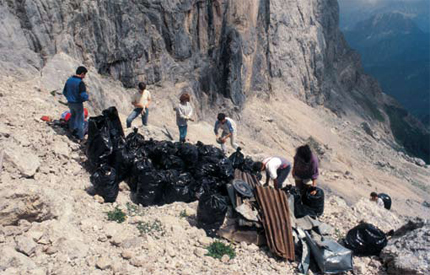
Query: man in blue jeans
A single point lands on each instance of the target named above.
(76, 93)
(140, 101)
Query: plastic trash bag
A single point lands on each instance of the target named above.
(105, 183)
(308, 205)
(209, 150)
(105, 135)
(315, 202)
(172, 162)
(225, 169)
(386, 199)
(150, 185)
(179, 189)
(189, 154)
(99, 147)
(331, 257)
(211, 210)
(366, 239)
(204, 170)
(139, 167)
(237, 159)
(134, 140)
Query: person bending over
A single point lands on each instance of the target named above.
(277, 169)
(141, 100)
(228, 127)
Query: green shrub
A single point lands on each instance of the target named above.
(217, 249)
(116, 215)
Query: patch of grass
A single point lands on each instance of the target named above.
(217, 249)
(134, 210)
(183, 214)
(338, 234)
(155, 228)
(116, 215)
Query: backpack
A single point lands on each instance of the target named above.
(386, 199)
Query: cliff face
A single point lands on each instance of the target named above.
(221, 48)
(224, 47)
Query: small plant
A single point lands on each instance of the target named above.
(338, 234)
(154, 228)
(116, 215)
(133, 210)
(183, 214)
(217, 249)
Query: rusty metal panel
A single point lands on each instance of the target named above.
(276, 221)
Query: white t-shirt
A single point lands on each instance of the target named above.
(272, 164)
(380, 202)
(142, 98)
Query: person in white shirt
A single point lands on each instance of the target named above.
(228, 128)
(184, 111)
(140, 101)
(277, 169)
(374, 197)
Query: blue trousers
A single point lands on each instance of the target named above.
(282, 175)
(76, 121)
(135, 113)
(182, 133)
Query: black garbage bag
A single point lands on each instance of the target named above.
(105, 135)
(180, 189)
(150, 187)
(99, 146)
(123, 163)
(171, 162)
(139, 167)
(211, 210)
(189, 154)
(204, 170)
(308, 205)
(316, 202)
(209, 150)
(386, 199)
(105, 182)
(237, 159)
(115, 127)
(225, 169)
(134, 140)
(365, 239)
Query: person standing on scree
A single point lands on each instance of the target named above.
(184, 111)
(305, 169)
(228, 128)
(140, 101)
(76, 93)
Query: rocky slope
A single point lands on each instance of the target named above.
(220, 48)
(285, 60)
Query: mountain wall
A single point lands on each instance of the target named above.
(222, 49)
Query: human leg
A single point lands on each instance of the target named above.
(182, 133)
(145, 117)
(282, 175)
(72, 122)
(78, 110)
(232, 141)
(132, 116)
(223, 147)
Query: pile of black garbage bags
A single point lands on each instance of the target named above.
(159, 172)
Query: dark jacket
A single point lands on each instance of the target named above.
(75, 90)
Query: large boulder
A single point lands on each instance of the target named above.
(25, 201)
(408, 251)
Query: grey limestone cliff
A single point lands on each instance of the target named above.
(224, 49)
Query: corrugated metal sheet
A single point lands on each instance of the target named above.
(276, 221)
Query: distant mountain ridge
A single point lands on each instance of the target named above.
(396, 52)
